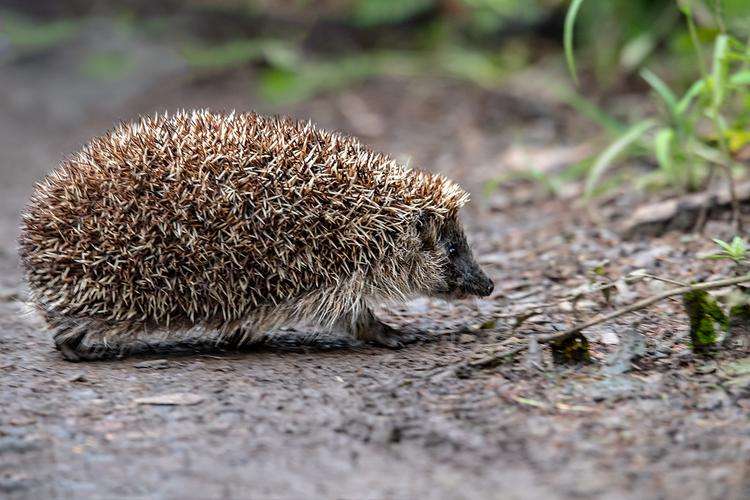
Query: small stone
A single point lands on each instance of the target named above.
(21, 421)
(467, 338)
(174, 399)
(609, 337)
(77, 377)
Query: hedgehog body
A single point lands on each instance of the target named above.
(233, 222)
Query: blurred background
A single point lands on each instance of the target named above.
(478, 89)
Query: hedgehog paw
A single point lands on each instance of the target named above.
(76, 352)
(390, 337)
(69, 353)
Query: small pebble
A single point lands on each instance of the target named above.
(77, 377)
(175, 399)
(156, 364)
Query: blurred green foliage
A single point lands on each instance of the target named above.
(700, 129)
(108, 65)
(477, 40)
(281, 83)
(479, 16)
(25, 35)
(277, 53)
(378, 12)
(439, 45)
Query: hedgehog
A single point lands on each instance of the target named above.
(239, 224)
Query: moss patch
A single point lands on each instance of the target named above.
(705, 316)
(571, 350)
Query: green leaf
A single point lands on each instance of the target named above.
(661, 88)
(663, 149)
(570, 20)
(610, 154)
(636, 50)
(723, 244)
(720, 69)
(738, 247)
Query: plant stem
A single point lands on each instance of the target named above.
(697, 46)
(719, 16)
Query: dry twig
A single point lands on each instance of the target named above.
(535, 309)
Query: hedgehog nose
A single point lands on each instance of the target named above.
(480, 284)
(487, 287)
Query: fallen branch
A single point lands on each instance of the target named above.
(687, 213)
(497, 358)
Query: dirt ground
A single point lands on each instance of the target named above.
(308, 417)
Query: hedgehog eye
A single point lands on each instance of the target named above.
(451, 249)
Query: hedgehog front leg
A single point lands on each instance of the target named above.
(366, 327)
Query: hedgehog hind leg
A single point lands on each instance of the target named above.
(368, 328)
(86, 339)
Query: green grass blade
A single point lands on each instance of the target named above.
(720, 69)
(693, 92)
(723, 244)
(610, 154)
(661, 88)
(570, 21)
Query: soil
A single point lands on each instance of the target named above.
(310, 416)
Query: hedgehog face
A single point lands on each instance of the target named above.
(461, 275)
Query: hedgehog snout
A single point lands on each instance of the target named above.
(467, 278)
(479, 283)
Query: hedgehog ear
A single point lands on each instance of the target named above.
(427, 227)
